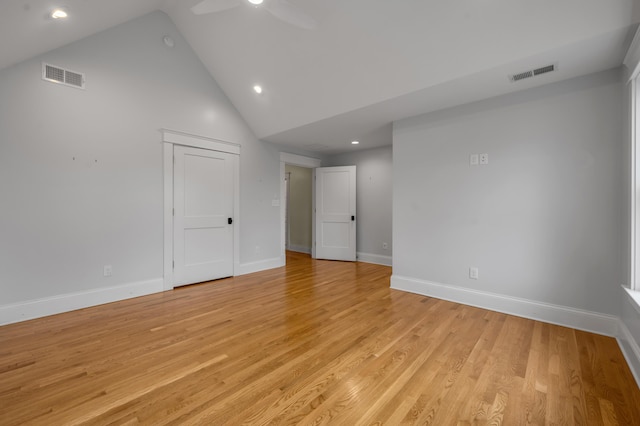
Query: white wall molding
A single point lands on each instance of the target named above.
(630, 350)
(555, 314)
(634, 298)
(260, 265)
(299, 160)
(374, 258)
(70, 302)
(186, 139)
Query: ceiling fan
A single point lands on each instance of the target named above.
(281, 9)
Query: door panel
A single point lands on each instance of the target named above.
(336, 213)
(203, 203)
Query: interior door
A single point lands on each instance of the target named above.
(335, 226)
(203, 215)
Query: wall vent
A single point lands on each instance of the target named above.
(62, 76)
(533, 73)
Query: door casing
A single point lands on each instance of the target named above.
(301, 161)
(169, 139)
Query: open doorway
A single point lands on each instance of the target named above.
(298, 203)
(301, 162)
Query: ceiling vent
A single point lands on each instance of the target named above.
(533, 73)
(62, 76)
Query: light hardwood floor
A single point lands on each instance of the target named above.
(316, 342)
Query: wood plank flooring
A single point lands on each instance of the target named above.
(316, 342)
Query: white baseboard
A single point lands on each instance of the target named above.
(299, 249)
(374, 258)
(630, 350)
(594, 322)
(38, 308)
(261, 265)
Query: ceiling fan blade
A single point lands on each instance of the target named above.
(289, 13)
(213, 6)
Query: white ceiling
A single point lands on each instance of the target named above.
(368, 63)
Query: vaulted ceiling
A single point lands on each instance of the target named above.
(368, 62)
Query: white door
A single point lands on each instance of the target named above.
(336, 213)
(203, 215)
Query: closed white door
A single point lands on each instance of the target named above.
(336, 213)
(203, 215)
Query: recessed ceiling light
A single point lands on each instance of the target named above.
(257, 89)
(59, 14)
(355, 143)
(256, 2)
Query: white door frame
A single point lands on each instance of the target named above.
(301, 161)
(169, 139)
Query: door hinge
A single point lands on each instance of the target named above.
(173, 264)
(174, 211)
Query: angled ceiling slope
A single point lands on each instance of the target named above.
(367, 63)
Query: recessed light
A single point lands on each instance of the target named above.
(59, 14)
(256, 2)
(257, 89)
(355, 143)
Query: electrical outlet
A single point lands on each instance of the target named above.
(385, 246)
(473, 273)
(473, 160)
(484, 159)
(108, 270)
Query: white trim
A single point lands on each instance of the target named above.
(260, 265)
(633, 187)
(630, 350)
(378, 259)
(299, 249)
(186, 139)
(168, 216)
(70, 302)
(294, 160)
(635, 298)
(555, 314)
(632, 58)
(171, 138)
(299, 160)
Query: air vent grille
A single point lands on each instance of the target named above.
(533, 73)
(55, 74)
(62, 76)
(522, 75)
(544, 70)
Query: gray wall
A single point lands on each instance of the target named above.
(544, 220)
(300, 215)
(373, 197)
(81, 172)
